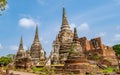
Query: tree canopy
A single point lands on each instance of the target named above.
(5, 60)
(3, 4)
(117, 49)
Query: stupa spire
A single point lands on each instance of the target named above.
(75, 38)
(36, 38)
(75, 33)
(21, 44)
(65, 25)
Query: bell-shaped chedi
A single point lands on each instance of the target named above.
(77, 62)
(36, 47)
(20, 53)
(76, 51)
(65, 37)
(19, 63)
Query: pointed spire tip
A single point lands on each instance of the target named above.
(21, 44)
(65, 25)
(36, 38)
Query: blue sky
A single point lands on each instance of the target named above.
(93, 18)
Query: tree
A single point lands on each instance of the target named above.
(3, 4)
(117, 53)
(5, 60)
(117, 49)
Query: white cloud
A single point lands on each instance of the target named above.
(101, 34)
(27, 22)
(83, 27)
(72, 26)
(1, 47)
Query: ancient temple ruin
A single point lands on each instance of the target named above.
(83, 50)
(22, 59)
(70, 53)
(37, 53)
(35, 56)
(64, 37)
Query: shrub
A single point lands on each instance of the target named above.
(108, 70)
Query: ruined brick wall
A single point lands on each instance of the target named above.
(95, 46)
(85, 43)
(96, 43)
(108, 51)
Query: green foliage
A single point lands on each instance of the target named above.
(117, 49)
(117, 53)
(73, 51)
(3, 4)
(43, 71)
(108, 70)
(94, 57)
(35, 69)
(5, 60)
